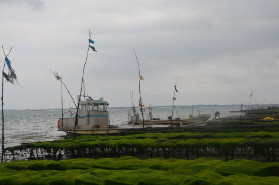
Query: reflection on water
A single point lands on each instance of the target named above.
(25, 126)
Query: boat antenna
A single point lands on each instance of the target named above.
(10, 77)
(173, 106)
(132, 98)
(59, 78)
(140, 100)
(90, 41)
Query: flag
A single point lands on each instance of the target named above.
(93, 48)
(91, 41)
(11, 76)
(140, 77)
(175, 88)
(7, 77)
(8, 62)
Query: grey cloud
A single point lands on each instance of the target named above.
(218, 46)
(215, 30)
(33, 4)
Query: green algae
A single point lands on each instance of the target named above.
(259, 145)
(268, 171)
(130, 170)
(155, 139)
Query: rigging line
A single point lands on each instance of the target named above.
(69, 93)
(132, 96)
(56, 75)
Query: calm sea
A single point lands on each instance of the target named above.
(25, 126)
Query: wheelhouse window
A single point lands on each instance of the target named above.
(101, 107)
(83, 107)
(90, 107)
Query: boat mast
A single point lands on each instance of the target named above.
(84, 89)
(62, 102)
(140, 100)
(173, 106)
(82, 81)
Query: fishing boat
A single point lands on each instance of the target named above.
(134, 118)
(92, 117)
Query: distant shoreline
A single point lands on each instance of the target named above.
(159, 106)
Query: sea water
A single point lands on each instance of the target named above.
(26, 126)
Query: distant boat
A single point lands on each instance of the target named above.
(133, 118)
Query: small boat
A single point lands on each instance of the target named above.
(92, 118)
(201, 117)
(134, 118)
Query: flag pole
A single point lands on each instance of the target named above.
(140, 100)
(3, 123)
(173, 99)
(82, 82)
(2, 99)
(82, 79)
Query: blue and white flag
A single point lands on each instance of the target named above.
(8, 62)
(91, 41)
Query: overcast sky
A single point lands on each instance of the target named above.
(217, 51)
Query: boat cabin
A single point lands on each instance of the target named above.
(91, 114)
(134, 116)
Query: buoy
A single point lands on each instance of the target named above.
(268, 119)
(58, 123)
